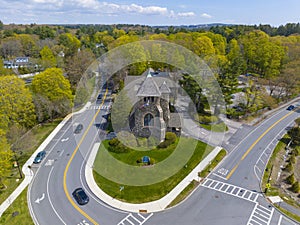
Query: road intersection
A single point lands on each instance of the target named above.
(230, 195)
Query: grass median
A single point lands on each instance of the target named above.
(141, 194)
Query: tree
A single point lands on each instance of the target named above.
(53, 92)
(47, 58)
(291, 179)
(5, 157)
(295, 135)
(77, 65)
(296, 187)
(70, 42)
(16, 105)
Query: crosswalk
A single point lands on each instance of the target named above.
(137, 219)
(102, 107)
(230, 189)
(261, 215)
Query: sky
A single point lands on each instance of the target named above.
(154, 12)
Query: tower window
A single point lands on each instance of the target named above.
(148, 120)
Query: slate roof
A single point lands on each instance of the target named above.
(164, 89)
(149, 88)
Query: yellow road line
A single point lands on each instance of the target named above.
(69, 163)
(257, 140)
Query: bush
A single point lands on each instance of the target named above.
(289, 167)
(292, 159)
(169, 139)
(291, 179)
(296, 187)
(116, 146)
(208, 119)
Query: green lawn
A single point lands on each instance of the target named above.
(18, 212)
(139, 194)
(131, 157)
(30, 143)
(220, 127)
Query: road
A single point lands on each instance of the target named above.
(230, 195)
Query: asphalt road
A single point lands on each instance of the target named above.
(231, 194)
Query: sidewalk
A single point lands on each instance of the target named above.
(28, 174)
(153, 206)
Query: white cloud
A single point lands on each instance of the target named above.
(205, 15)
(186, 14)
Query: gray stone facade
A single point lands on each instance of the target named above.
(150, 115)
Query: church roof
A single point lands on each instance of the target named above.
(148, 88)
(164, 88)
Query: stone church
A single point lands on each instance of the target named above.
(151, 115)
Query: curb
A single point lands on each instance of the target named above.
(28, 173)
(154, 206)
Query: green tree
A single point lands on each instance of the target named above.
(291, 179)
(295, 135)
(16, 106)
(296, 187)
(5, 157)
(47, 58)
(52, 94)
(70, 42)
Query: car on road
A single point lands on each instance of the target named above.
(78, 128)
(80, 196)
(39, 157)
(291, 107)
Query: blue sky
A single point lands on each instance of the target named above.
(168, 12)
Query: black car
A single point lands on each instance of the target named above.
(80, 196)
(291, 107)
(78, 129)
(39, 157)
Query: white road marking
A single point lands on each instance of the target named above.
(50, 198)
(230, 189)
(61, 153)
(65, 139)
(260, 215)
(134, 220)
(49, 162)
(38, 200)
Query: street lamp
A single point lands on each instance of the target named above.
(19, 169)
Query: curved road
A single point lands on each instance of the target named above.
(230, 195)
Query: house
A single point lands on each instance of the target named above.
(21, 61)
(151, 114)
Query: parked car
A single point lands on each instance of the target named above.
(291, 107)
(39, 157)
(78, 129)
(80, 196)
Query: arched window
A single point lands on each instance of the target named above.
(148, 120)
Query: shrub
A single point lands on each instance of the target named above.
(291, 179)
(289, 167)
(296, 187)
(116, 146)
(171, 137)
(292, 159)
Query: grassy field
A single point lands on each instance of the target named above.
(139, 194)
(18, 212)
(30, 143)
